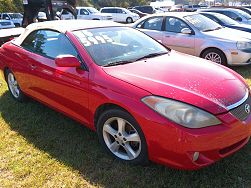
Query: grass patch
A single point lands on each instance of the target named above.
(42, 148)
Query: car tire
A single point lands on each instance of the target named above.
(17, 25)
(215, 55)
(129, 20)
(121, 136)
(13, 86)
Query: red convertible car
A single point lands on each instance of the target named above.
(145, 101)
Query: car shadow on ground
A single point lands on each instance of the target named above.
(77, 147)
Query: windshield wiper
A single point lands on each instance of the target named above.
(151, 55)
(117, 63)
(217, 28)
(206, 30)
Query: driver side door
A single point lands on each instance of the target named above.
(153, 27)
(63, 88)
(175, 39)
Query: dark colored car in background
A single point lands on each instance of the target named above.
(141, 14)
(236, 14)
(245, 9)
(146, 9)
(226, 21)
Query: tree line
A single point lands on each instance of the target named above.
(16, 5)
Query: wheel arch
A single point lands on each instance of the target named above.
(104, 107)
(215, 48)
(5, 72)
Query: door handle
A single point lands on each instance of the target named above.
(168, 36)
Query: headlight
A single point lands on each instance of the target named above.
(244, 46)
(181, 113)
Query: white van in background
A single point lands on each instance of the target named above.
(120, 14)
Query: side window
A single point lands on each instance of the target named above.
(29, 42)
(140, 9)
(175, 25)
(212, 18)
(230, 14)
(105, 11)
(6, 17)
(140, 25)
(153, 23)
(84, 12)
(52, 44)
(119, 11)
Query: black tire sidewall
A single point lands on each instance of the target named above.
(219, 52)
(129, 18)
(143, 156)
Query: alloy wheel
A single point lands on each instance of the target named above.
(13, 85)
(214, 57)
(122, 138)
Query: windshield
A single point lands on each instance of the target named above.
(117, 44)
(202, 23)
(92, 10)
(226, 20)
(244, 14)
(16, 16)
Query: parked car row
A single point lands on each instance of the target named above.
(195, 34)
(144, 100)
(116, 14)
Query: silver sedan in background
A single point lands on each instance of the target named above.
(197, 35)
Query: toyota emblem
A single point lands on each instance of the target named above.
(247, 108)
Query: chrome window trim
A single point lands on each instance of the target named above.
(230, 107)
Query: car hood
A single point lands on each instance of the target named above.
(228, 33)
(246, 22)
(242, 27)
(185, 78)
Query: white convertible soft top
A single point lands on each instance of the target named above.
(11, 32)
(63, 26)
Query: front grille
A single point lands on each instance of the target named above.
(241, 112)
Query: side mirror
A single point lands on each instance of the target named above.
(67, 61)
(186, 31)
(7, 18)
(239, 19)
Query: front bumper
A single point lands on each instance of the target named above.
(238, 57)
(175, 146)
